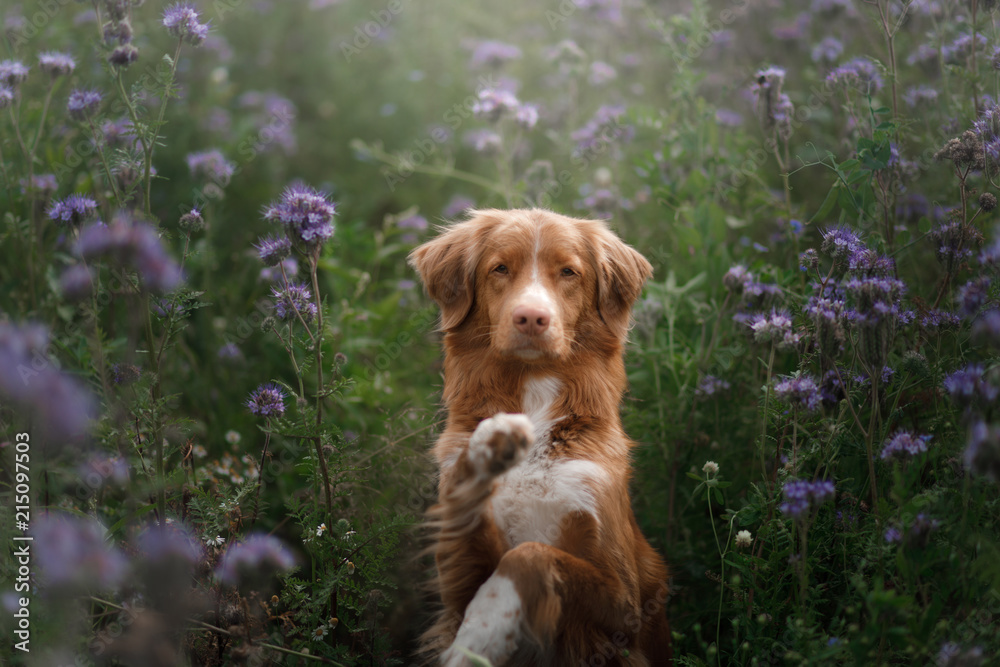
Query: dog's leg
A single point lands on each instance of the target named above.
(469, 545)
(539, 592)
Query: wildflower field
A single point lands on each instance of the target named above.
(219, 378)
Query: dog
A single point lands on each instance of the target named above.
(539, 557)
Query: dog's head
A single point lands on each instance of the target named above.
(531, 284)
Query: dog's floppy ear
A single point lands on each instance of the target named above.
(447, 265)
(622, 272)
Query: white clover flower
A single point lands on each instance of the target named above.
(710, 468)
(744, 539)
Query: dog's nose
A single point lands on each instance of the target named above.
(531, 320)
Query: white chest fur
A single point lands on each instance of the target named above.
(531, 500)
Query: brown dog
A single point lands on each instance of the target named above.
(539, 558)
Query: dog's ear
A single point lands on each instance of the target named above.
(622, 272)
(447, 266)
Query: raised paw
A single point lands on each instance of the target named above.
(499, 443)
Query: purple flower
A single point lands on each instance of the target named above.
(256, 555)
(904, 445)
(6, 96)
(83, 104)
(922, 94)
(229, 352)
(940, 319)
(134, 245)
(292, 298)
(728, 118)
(273, 249)
(272, 274)
(97, 470)
(828, 50)
(43, 184)
(968, 387)
(267, 400)
(12, 73)
(72, 553)
(29, 380)
(841, 242)
(973, 295)
(858, 73)
(211, 165)
(73, 210)
(483, 141)
(494, 104)
(124, 374)
(526, 116)
(159, 544)
(893, 535)
(493, 53)
(986, 329)
(801, 495)
(415, 222)
(710, 385)
(953, 242)
(737, 278)
(123, 55)
(771, 328)
(601, 73)
(962, 47)
(56, 64)
(982, 454)
(603, 128)
(76, 282)
(801, 391)
(456, 206)
(181, 21)
(306, 214)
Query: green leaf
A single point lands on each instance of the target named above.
(828, 203)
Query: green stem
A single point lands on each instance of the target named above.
(767, 402)
(318, 344)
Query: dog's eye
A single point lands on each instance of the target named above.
(567, 272)
(501, 269)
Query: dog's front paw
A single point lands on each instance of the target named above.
(499, 443)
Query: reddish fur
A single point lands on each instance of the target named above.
(600, 585)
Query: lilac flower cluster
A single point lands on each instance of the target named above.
(292, 299)
(267, 400)
(917, 534)
(306, 215)
(973, 295)
(495, 104)
(72, 553)
(970, 388)
(982, 454)
(56, 64)
(133, 245)
(737, 278)
(491, 53)
(272, 250)
(212, 166)
(83, 104)
(30, 381)
(711, 385)
(904, 445)
(800, 391)
(774, 108)
(72, 210)
(243, 562)
(173, 542)
(604, 128)
(802, 495)
(182, 21)
(860, 73)
(773, 328)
